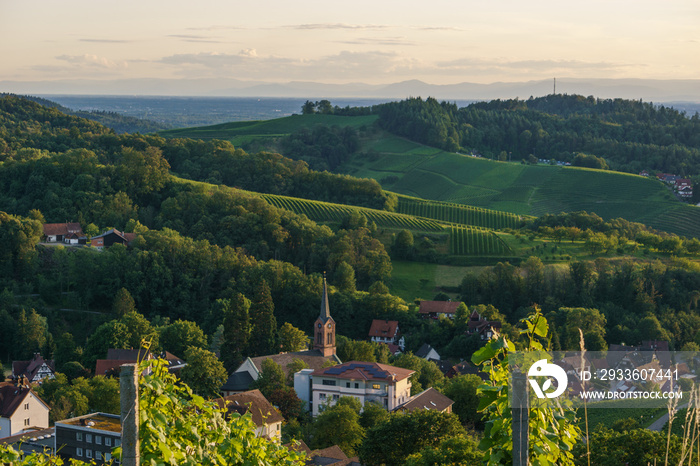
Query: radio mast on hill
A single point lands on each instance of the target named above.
(555, 86)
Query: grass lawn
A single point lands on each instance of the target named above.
(411, 280)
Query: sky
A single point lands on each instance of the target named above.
(329, 41)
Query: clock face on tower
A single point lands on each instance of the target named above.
(329, 325)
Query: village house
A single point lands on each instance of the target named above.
(428, 353)
(110, 367)
(387, 332)
(684, 188)
(427, 399)
(484, 327)
(88, 438)
(386, 385)
(69, 233)
(35, 370)
(110, 237)
(39, 441)
(437, 309)
(21, 410)
(323, 352)
(267, 419)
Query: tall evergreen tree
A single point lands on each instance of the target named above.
(262, 312)
(236, 336)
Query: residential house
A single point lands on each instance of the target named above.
(366, 381)
(437, 309)
(668, 178)
(267, 419)
(70, 233)
(323, 353)
(35, 370)
(110, 237)
(21, 410)
(643, 173)
(39, 441)
(484, 327)
(465, 368)
(387, 332)
(427, 399)
(428, 352)
(118, 357)
(684, 188)
(326, 456)
(88, 438)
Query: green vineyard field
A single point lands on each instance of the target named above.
(458, 213)
(326, 212)
(466, 241)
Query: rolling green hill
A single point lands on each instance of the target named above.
(415, 170)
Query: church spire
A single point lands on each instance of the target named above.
(325, 309)
(324, 328)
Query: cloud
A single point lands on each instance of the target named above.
(247, 64)
(217, 28)
(90, 60)
(391, 41)
(338, 26)
(107, 41)
(196, 38)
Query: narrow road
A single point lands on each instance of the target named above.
(661, 422)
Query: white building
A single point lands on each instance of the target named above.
(385, 385)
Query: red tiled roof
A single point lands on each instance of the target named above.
(438, 307)
(254, 401)
(383, 328)
(54, 229)
(359, 370)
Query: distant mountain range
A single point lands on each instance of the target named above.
(646, 89)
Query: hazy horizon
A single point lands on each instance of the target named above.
(49, 45)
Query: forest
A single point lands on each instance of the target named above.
(630, 136)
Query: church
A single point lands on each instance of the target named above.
(323, 351)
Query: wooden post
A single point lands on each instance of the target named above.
(129, 398)
(521, 411)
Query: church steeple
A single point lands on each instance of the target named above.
(325, 309)
(324, 327)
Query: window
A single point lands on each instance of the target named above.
(357, 385)
(26, 422)
(108, 441)
(347, 384)
(88, 453)
(108, 456)
(98, 440)
(117, 442)
(88, 438)
(79, 452)
(376, 386)
(328, 382)
(336, 397)
(79, 436)
(26, 405)
(321, 396)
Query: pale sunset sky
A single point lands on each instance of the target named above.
(375, 42)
